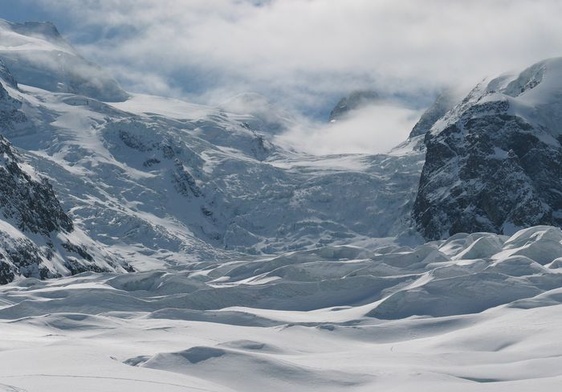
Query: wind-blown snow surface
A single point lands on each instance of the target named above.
(477, 312)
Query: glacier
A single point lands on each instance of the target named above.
(152, 243)
(476, 312)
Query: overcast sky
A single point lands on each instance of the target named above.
(305, 54)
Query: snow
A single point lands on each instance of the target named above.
(166, 107)
(330, 320)
(37, 55)
(120, 168)
(258, 267)
(533, 94)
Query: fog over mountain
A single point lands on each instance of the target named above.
(304, 55)
(153, 242)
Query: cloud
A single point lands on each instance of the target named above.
(371, 129)
(306, 54)
(340, 45)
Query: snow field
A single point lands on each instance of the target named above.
(338, 318)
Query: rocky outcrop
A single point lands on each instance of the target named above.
(6, 76)
(30, 203)
(356, 100)
(494, 162)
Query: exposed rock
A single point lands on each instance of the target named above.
(355, 100)
(491, 163)
(6, 76)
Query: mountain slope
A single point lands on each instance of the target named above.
(37, 238)
(298, 272)
(158, 181)
(162, 182)
(493, 162)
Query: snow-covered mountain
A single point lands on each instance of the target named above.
(37, 55)
(207, 256)
(37, 237)
(354, 101)
(159, 181)
(493, 162)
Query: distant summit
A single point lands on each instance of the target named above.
(43, 30)
(37, 55)
(354, 101)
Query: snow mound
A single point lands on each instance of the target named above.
(335, 318)
(270, 373)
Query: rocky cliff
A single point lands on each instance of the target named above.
(494, 161)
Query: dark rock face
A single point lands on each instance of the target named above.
(6, 75)
(10, 108)
(488, 169)
(355, 100)
(30, 203)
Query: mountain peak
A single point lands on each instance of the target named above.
(355, 100)
(44, 30)
(493, 161)
(37, 55)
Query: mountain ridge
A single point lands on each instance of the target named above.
(163, 182)
(493, 161)
(38, 55)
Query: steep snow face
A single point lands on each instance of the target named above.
(37, 238)
(444, 102)
(493, 162)
(183, 182)
(161, 181)
(38, 56)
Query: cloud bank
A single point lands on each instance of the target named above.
(305, 54)
(371, 129)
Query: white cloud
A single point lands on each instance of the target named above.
(394, 43)
(371, 129)
(305, 54)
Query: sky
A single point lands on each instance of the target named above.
(304, 55)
